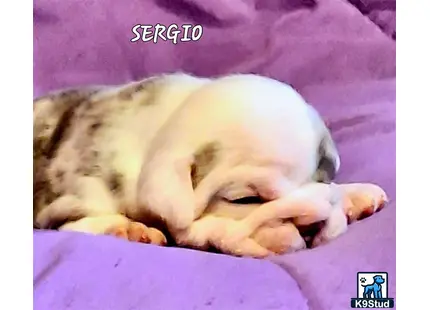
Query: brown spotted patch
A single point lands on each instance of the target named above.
(115, 182)
(60, 133)
(204, 161)
(88, 163)
(70, 95)
(59, 175)
(151, 87)
(97, 124)
(54, 114)
(90, 119)
(54, 120)
(43, 193)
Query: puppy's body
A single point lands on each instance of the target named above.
(99, 137)
(180, 149)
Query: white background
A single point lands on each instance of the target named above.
(413, 158)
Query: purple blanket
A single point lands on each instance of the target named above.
(335, 55)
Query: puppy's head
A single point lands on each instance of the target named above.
(254, 185)
(247, 164)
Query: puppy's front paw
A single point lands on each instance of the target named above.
(247, 247)
(362, 200)
(280, 238)
(334, 226)
(138, 232)
(236, 240)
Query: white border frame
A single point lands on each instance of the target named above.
(413, 63)
(16, 33)
(413, 129)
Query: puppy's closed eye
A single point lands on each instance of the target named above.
(240, 194)
(248, 200)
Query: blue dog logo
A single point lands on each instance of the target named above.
(374, 290)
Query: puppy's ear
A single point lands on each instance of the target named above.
(165, 189)
(328, 160)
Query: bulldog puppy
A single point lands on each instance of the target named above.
(181, 151)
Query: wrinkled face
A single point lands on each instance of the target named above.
(326, 158)
(251, 138)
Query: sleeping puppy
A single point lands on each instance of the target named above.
(178, 152)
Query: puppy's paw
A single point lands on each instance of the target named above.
(312, 202)
(237, 232)
(361, 200)
(235, 240)
(280, 238)
(335, 226)
(138, 232)
(156, 236)
(247, 247)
